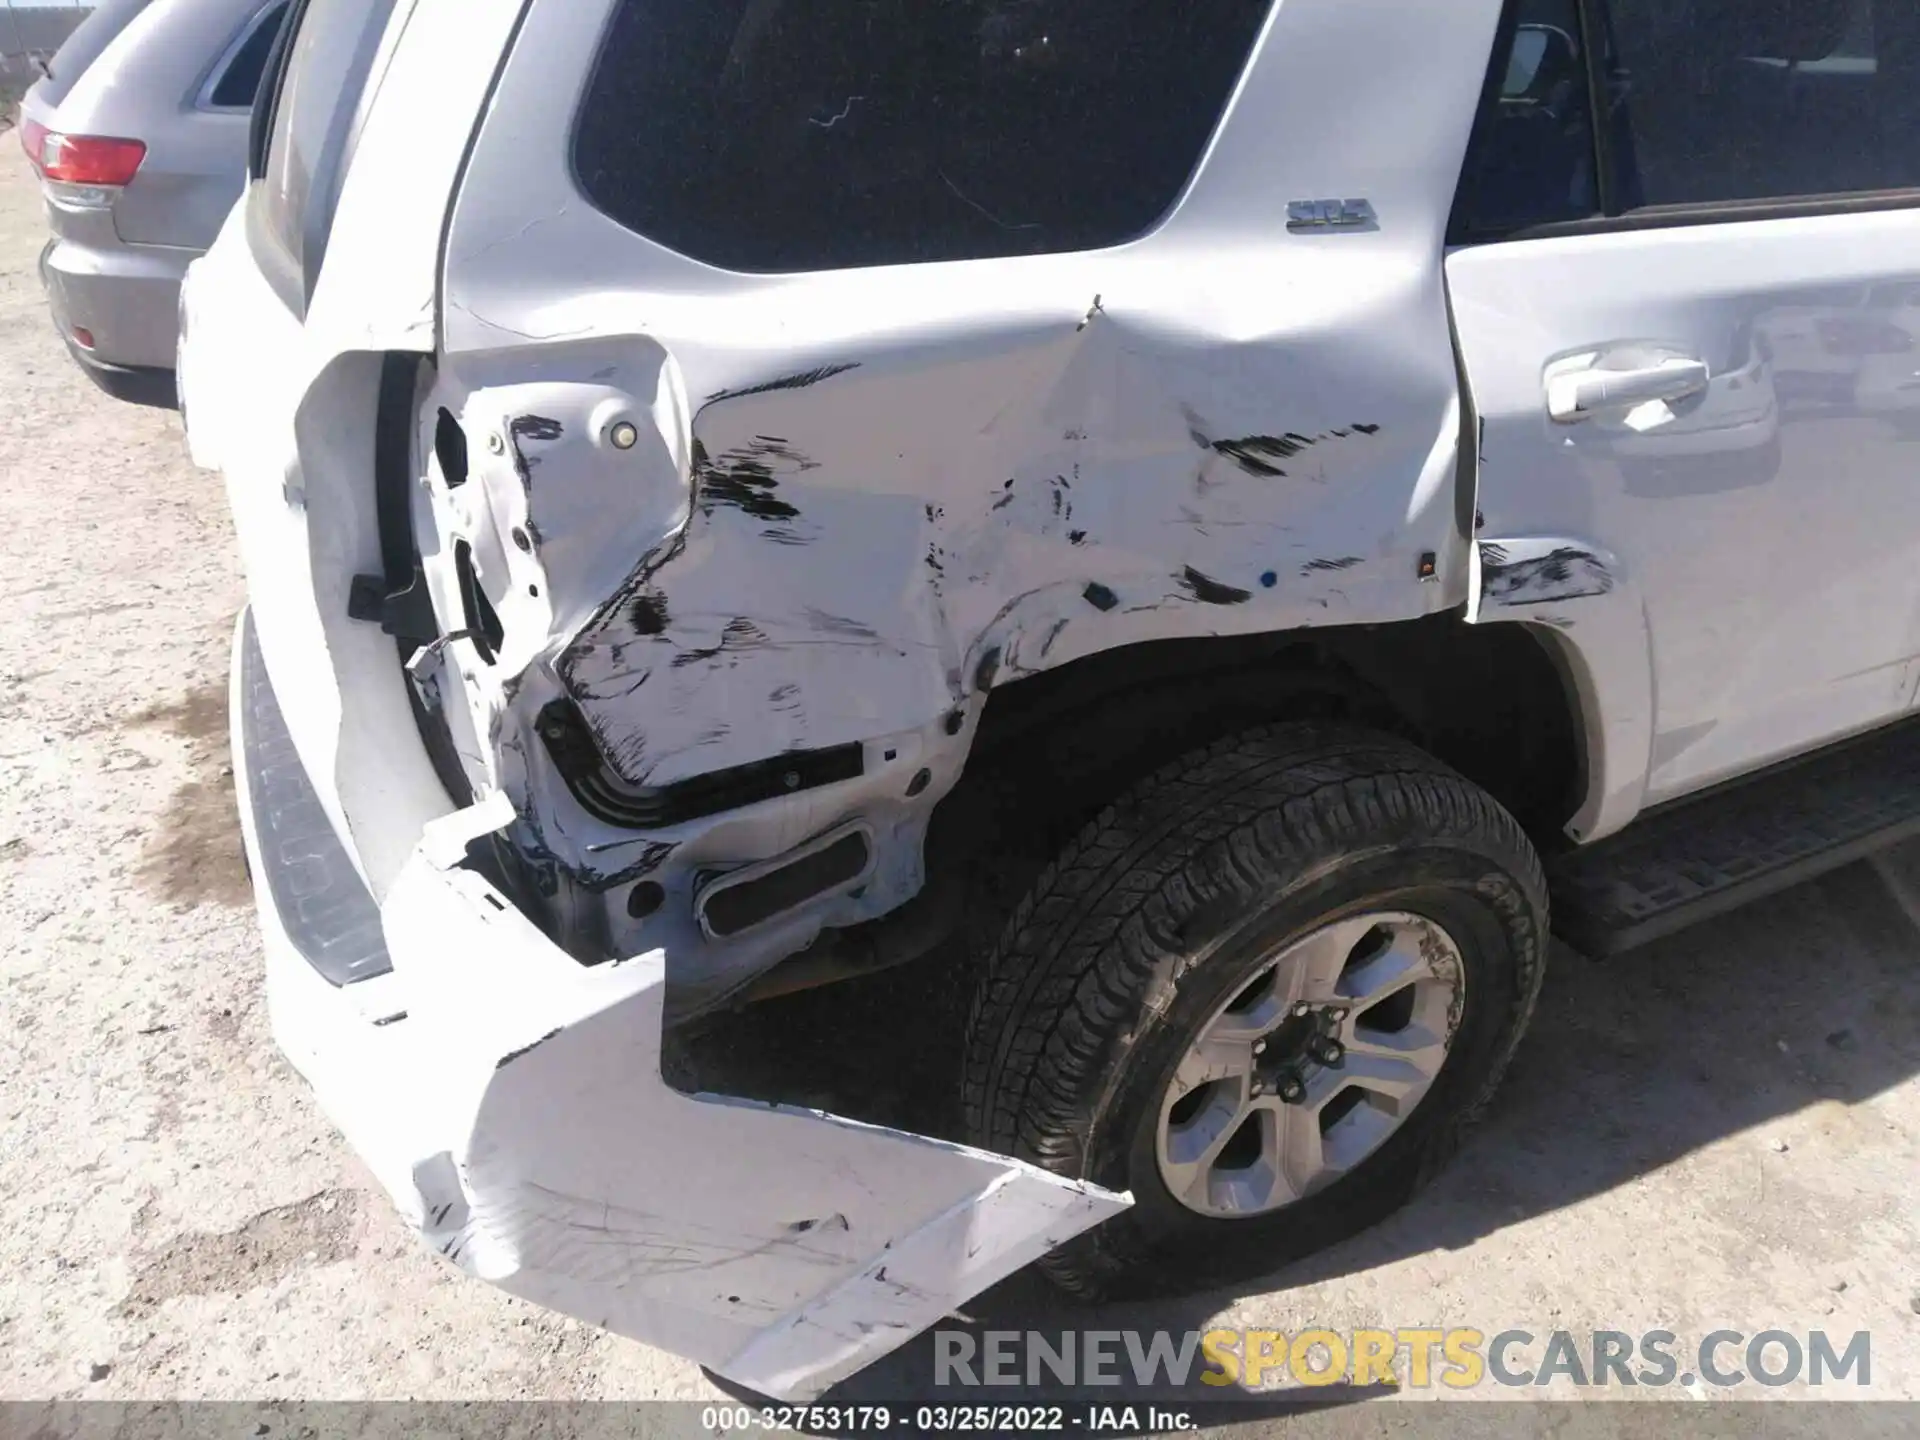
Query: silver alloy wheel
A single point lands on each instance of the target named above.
(1312, 1065)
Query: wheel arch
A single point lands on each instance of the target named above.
(1499, 703)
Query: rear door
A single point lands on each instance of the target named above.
(1678, 312)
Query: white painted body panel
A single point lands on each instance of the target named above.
(511, 1103)
(1765, 532)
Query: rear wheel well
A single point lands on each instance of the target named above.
(1051, 750)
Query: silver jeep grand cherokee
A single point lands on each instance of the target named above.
(138, 132)
(1210, 514)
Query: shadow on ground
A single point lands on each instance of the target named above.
(1809, 996)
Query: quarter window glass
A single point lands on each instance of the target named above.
(789, 135)
(1732, 100)
(240, 81)
(1532, 157)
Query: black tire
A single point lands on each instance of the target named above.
(1163, 908)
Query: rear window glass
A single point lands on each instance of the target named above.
(330, 57)
(788, 135)
(239, 82)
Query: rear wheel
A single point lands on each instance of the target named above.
(1264, 991)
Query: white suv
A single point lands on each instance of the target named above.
(1206, 514)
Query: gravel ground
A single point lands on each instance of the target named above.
(1722, 1130)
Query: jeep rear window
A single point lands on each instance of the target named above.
(793, 135)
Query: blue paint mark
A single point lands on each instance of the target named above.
(1269, 580)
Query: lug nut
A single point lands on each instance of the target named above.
(1259, 1047)
(1327, 1052)
(1303, 1009)
(624, 436)
(1292, 1090)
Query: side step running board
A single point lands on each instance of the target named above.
(1703, 857)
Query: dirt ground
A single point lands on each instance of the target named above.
(1720, 1131)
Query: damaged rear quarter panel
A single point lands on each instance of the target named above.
(858, 500)
(850, 554)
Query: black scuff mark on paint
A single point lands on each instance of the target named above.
(1099, 596)
(1076, 537)
(985, 672)
(831, 1222)
(933, 560)
(739, 634)
(838, 625)
(649, 617)
(537, 428)
(1209, 591)
(935, 513)
(1367, 429)
(1260, 454)
(1565, 573)
(798, 381)
(1345, 562)
(1046, 646)
(657, 853)
(1006, 498)
(782, 536)
(1555, 622)
(513, 1055)
(745, 478)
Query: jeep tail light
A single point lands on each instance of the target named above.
(90, 160)
(33, 135)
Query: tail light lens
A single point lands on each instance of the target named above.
(92, 160)
(33, 135)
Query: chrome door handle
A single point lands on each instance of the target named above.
(1579, 394)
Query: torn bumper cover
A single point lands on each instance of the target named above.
(511, 1100)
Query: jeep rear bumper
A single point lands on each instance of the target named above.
(511, 1101)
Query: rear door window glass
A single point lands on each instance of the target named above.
(1742, 100)
(794, 135)
(1532, 160)
(239, 81)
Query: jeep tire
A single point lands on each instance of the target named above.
(1161, 919)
